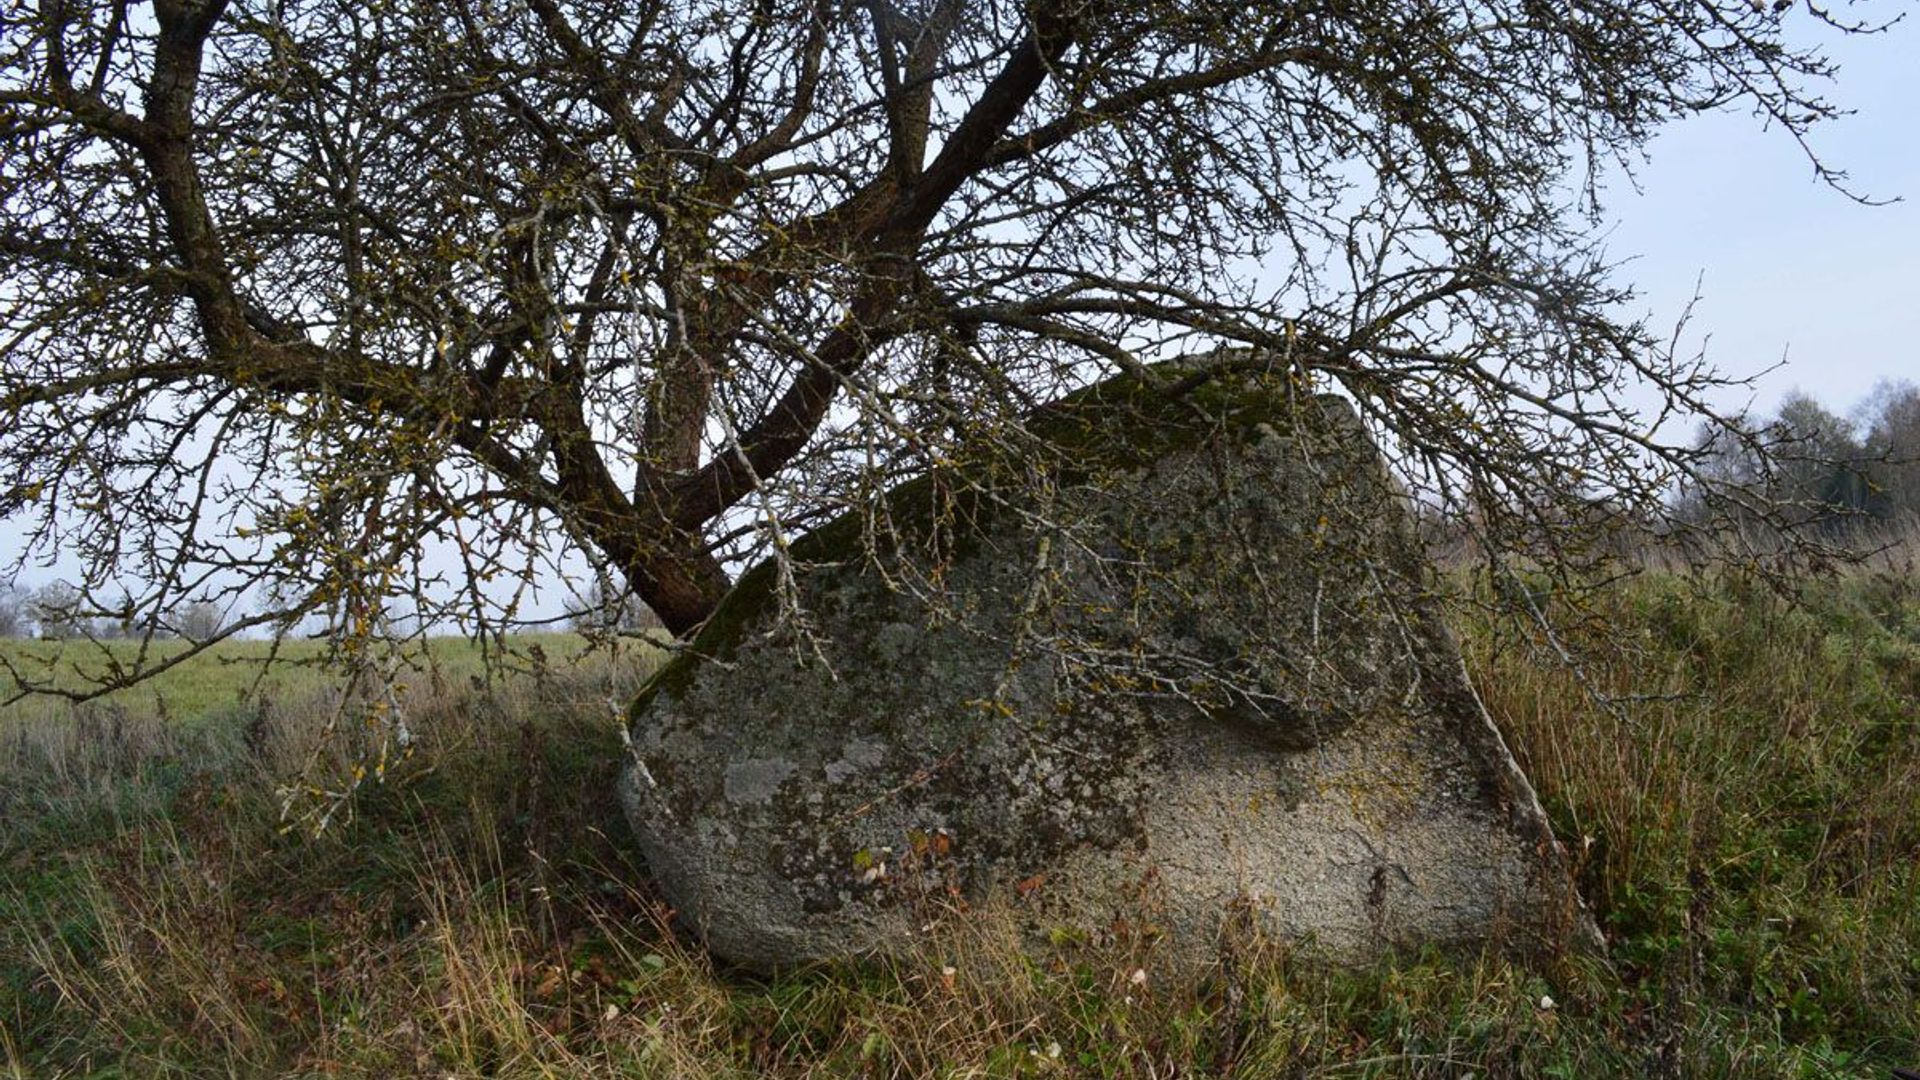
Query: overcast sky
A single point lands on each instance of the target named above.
(1787, 267)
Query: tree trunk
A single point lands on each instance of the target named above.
(683, 589)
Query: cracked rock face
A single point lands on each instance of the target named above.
(1198, 678)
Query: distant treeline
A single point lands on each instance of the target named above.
(1822, 469)
(58, 611)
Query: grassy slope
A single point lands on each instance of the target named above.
(1749, 838)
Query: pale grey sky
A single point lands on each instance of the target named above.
(1786, 266)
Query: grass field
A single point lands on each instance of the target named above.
(239, 672)
(1747, 829)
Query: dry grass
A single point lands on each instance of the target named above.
(1749, 837)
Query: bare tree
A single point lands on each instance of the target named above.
(297, 290)
(607, 608)
(57, 610)
(1812, 467)
(201, 620)
(13, 613)
(1891, 419)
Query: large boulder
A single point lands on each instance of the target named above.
(1178, 665)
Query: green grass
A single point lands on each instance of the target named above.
(238, 672)
(1749, 836)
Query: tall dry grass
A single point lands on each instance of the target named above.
(1742, 811)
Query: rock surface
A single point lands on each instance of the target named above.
(1194, 674)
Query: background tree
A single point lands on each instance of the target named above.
(1822, 471)
(57, 611)
(608, 608)
(1892, 446)
(201, 620)
(1811, 467)
(13, 613)
(296, 291)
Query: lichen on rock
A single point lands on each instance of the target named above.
(1194, 667)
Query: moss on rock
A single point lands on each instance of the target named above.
(1122, 423)
(1173, 658)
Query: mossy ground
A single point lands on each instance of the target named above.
(1748, 834)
